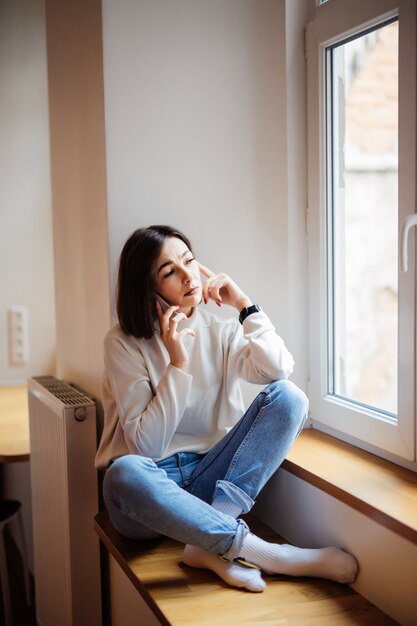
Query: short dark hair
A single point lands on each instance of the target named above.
(136, 279)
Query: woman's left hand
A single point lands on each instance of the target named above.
(223, 290)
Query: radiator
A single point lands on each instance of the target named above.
(64, 501)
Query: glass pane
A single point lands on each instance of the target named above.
(363, 216)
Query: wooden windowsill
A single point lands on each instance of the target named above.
(377, 488)
(179, 595)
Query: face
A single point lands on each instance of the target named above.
(178, 278)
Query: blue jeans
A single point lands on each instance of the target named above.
(173, 497)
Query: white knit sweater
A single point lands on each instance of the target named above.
(155, 409)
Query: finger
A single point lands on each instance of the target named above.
(213, 289)
(174, 321)
(165, 319)
(177, 317)
(170, 311)
(205, 271)
(214, 294)
(204, 290)
(186, 331)
(207, 286)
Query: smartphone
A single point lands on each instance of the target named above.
(164, 304)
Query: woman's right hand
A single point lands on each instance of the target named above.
(174, 340)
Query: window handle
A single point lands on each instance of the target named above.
(409, 222)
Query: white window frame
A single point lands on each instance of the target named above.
(332, 23)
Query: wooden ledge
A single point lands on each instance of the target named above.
(14, 424)
(183, 596)
(377, 488)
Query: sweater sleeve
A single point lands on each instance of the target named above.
(148, 417)
(257, 353)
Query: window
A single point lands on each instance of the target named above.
(362, 216)
(362, 134)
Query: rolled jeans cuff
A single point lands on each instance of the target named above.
(235, 550)
(226, 490)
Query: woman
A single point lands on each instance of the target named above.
(181, 460)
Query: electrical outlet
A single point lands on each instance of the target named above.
(18, 335)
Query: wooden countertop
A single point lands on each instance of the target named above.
(14, 424)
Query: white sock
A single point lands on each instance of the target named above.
(331, 563)
(234, 574)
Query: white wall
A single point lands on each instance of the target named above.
(196, 136)
(26, 268)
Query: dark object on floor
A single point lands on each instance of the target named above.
(19, 585)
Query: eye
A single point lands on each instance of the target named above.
(189, 260)
(168, 273)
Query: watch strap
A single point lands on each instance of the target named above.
(254, 308)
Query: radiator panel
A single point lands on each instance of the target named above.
(64, 502)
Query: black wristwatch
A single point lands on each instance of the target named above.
(254, 308)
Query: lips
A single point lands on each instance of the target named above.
(192, 292)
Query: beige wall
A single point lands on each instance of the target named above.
(26, 268)
(26, 256)
(77, 248)
(71, 45)
(78, 188)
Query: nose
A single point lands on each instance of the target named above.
(187, 275)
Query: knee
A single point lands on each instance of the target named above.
(125, 473)
(290, 398)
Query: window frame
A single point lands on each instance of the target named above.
(363, 426)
